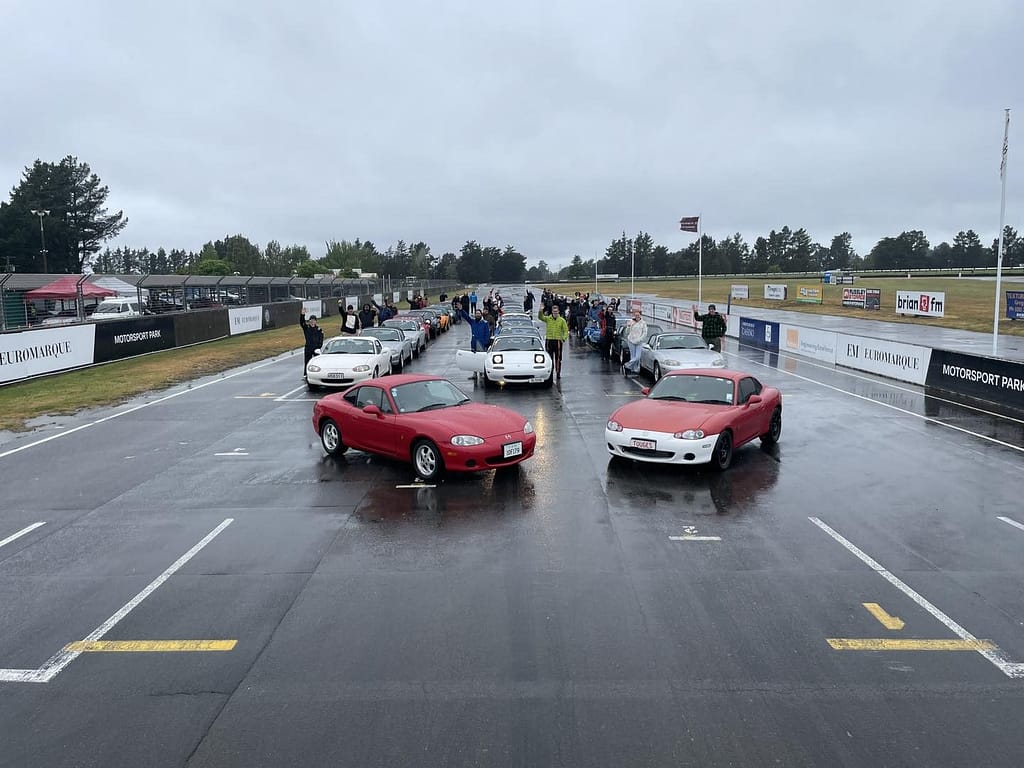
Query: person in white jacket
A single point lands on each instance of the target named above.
(636, 335)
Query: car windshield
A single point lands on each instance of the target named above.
(110, 306)
(517, 344)
(348, 347)
(682, 341)
(405, 325)
(694, 389)
(384, 334)
(429, 395)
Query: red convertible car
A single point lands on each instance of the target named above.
(696, 416)
(425, 420)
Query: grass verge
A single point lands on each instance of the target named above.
(116, 382)
(969, 302)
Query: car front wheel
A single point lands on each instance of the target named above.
(722, 456)
(426, 461)
(330, 438)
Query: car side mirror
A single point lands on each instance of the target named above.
(646, 345)
(317, 351)
(373, 410)
(645, 391)
(753, 399)
(711, 346)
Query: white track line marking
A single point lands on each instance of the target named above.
(135, 408)
(995, 656)
(19, 534)
(284, 398)
(694, 538)
(62, 658)
(927, 419)
(1007, 520)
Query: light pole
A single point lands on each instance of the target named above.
(42, 235)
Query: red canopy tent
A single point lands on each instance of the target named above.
(67, 288)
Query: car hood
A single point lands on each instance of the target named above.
(343, 362)
(473, 419)
(698, 358)
(666, 415)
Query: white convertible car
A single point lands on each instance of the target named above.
(344, 360)
(396, 341)
(677, 351)
(518, 358)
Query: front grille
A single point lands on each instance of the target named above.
(654, 454)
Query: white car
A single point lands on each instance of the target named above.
(396, 342)
(413, 329)
(344, 360)
(511, 359)
(677, 351)
(117, 308)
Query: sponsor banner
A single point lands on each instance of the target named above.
(775, 291)
(892, 359)
(635, 304)
(648, 309)
(985, 378)
(245, 320)
(1015, 304)
(353, 301)
(732, 326)
(397, 296)
(740, 292)
(921, 303)
(663, 312)
(30, 353)
(759, 333)
(124, 338)
(809, 342)
(313, 307)
(855, 297)
(379, 298)
(683, 316)
(873, 298)
(809, 294)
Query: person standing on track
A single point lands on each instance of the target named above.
(636, 335)
(314, 338)
(480, 329)
(713, 328)
(557, 334)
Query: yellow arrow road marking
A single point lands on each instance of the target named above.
(883, 644)
(886, 620)
(150, 646)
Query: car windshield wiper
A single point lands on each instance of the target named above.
(670, 397)
(463, 402)
(431, 407)
(714, 402)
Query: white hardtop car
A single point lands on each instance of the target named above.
(512, 358)
(345, 360)
(396, 342)
(677, 351)
(117, 308)
(411, 328)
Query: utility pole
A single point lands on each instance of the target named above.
(42, 236)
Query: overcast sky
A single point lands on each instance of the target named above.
(550, 125)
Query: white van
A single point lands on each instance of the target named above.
(117, 307)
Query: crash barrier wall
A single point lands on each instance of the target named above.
(40, 351)
(988, 379)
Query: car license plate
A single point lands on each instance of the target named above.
(512, 449)
(648, 445)
(335, 375)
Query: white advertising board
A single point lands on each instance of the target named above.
(921, 303)
(30, 353)
(740, 292)
(895, 360)
(313, 307)
(775, 292)
(809, 342)
(352, 301)
(379, 298)
(396, 295)
(245, 320)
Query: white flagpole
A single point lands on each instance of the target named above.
(1002, 216)
(700, 257)
(632, 273)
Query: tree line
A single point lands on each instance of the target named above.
(789, 250)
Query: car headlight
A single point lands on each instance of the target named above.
(689, 434)
(313, 368)
(467, 440)
(539, 358)
(672, 362)
(361, 368)
(718, 362)
(528, 429)
(614, 426)
(497, 359)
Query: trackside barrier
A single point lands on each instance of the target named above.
(982, 378)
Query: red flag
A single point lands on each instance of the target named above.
(689, 223)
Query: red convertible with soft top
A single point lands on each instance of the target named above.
(425, 420)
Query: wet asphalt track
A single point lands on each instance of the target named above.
(535, 618)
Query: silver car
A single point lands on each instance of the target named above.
(677, 351)
(413, 329)
(395, 341)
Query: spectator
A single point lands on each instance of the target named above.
(713, 326)
(314, 338)
(349, 321)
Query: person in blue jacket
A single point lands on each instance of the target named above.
(480, 328)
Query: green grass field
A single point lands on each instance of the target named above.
(969, 303)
